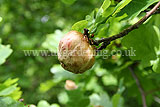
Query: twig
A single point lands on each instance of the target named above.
(129, 29)
(139, 87)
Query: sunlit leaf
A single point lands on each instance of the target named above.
(5, 52)
(60, 73)
(117, 101)
(100, 100)
(105, 4)
(43, 103)
(52, 40)
(45, 86)
(54, 105)
(109, 80)
(9, 102)
(63, 97)
(121, 5)
(8, 90)
(10, 81)
(79, 26)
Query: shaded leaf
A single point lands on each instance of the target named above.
(68, 2)
(135, 7)
(77, 99)
(144, 41)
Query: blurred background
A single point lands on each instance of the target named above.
(39, 25)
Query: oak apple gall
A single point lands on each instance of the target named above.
(75, 53)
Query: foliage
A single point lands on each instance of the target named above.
(5, 51)
(9, 102)
(40, 24)
(9, 88)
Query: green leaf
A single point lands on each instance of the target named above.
(121, 5)
(16, 94)
(155, 20)
(9, 102)
(47, 85)
(156, 65)
(135, 7)
(68, 2)
(105, 4)
(121, 87)
(5, 51)
(43, 103)
(109, 79)
(143, 43)
(10, 81)
(100, 17)
(63, 97)
(54, 105)
(95, 18)
(8, 90)
(91, 18)
(117, 101)
(79, 26)
(52, 40)
(77, 99)
(108, 12)
(93, 85)
(100, 100)
(61, 74)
